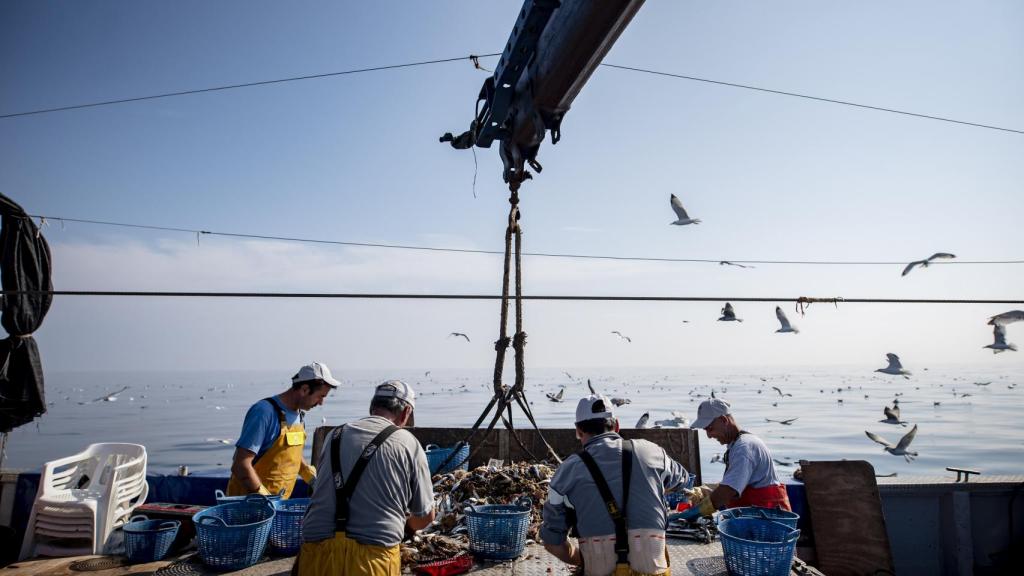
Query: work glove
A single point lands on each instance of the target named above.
(308, 473)
(700, 498)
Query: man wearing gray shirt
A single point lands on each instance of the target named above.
(574, 493)
(393, 491)
(750, 478)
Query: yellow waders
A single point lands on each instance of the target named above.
(342, 555)
(279, 465)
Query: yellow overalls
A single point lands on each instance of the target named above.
(281, 463)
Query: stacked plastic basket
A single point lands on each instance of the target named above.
(437, 455)
(286, 529)
(148, 540)
(497, 532)
(758, 541)
(233, 536)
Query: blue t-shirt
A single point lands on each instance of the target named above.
(261, 427)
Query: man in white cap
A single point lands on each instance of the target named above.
(750, 478)
(268, 455)
(374, 481)
(612, 493)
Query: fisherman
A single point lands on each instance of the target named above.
(612, 494)
(383, 487)
(268, 454)
(750, 478)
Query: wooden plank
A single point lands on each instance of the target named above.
(846, 514)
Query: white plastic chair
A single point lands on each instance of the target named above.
(83, 498)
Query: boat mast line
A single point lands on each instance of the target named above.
(551, 297)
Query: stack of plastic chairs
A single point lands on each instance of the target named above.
(83, 498)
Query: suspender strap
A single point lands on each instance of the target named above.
(343, 493)
(618, 515)
(280, 413)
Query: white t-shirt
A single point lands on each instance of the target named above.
(749, 464)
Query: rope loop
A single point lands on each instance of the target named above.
(502, 343)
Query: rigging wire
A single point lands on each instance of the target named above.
(198, 232)
(578, 298)
(473, 58)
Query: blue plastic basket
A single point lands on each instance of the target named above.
(674, 498)
(148, 540)
(497, 532)
(757, 547)
(436, 456)
(286, 529)
(233, 536)
(225, 499)
(774, 514)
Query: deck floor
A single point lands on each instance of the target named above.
(686, 558)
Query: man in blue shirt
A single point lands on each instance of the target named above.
(268, 454)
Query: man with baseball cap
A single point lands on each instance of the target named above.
(374, 482)
(750, 478)
(611, 493)
(268, 454)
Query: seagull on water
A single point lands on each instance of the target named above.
(1007, 318)
(642, 422)
(899, 449)
(682, 218)
(787, 422)
(786, 326)
(1000, 345)
(894, 368)
(678, 420)
(621, 335)
(556, 397)
(621, 401)
(459, 334)
(924, 263)
(108, 397)
(728, 314)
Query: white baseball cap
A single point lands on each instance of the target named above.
(396, 389)
(708, 411)
(594, 406)
(314, 372)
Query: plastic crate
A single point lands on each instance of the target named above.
(233, 536)
(148, 540)
(437, 455)
(774, 514)
(286, 529)
(757, 547)
(497, 532)
(447, 567)
(225, 499)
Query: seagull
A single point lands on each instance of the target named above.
(220, 440)
(426, 374)
(591, 386)
(729, 315)
(678, 420)
(786, 326)
(682, 218)
(924, 263)
(642, 422)
(621, 335)
(556, 397)
(567, 375)
(457, 334)
(109, 397)
(727, 263)
(621, 401)
(779, 390)
(894, 368)
(892, 415)
(1007, 318)
(1000, 345)
(783, 422)
(899, 449)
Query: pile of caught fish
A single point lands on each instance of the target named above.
(455, 491)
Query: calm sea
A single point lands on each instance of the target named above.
(967, 416)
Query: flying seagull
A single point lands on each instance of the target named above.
(899, 449)
(458, 334)
(642, 422)
(108, 397)
(556, 397)
(591, 387)
(779, 390)
(786, 326)
(787, 422)
(892, 415)
(727, 263)
(682, 218)
(1000, 345)
(1007, 318)
(924, 263)
(894, 368)
(621, 335)
(729, 315)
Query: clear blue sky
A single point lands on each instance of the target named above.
(356, 158)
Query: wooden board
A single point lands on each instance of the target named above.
(846, 514)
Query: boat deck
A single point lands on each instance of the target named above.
(686, 557)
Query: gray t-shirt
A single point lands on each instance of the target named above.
(749, 464)
(396, 482)
(573, 486)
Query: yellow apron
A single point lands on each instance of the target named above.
(342, 555)
(279, 465)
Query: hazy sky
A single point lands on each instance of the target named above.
(356, 158)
